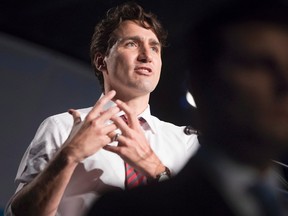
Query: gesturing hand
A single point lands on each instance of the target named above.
(133, 146)
(90, 135)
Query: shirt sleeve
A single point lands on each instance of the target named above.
(49, 137)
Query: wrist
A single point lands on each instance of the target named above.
(163, 174)
(68, 155)
(159, 169)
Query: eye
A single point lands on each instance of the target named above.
(263, 63)
(255, 62)
(131, 44)
(155, 49)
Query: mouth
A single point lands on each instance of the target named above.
(143, 70)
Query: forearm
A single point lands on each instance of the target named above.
(43, 195)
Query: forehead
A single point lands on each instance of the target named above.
(258, 37)
(130, 28)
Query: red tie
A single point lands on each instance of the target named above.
(133, 177)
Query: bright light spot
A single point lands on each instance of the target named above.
(190, 99)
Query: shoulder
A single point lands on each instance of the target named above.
(60, 124)
(183, 130)
(62, 116)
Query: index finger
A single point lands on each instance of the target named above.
(131, 116)
(98, 107)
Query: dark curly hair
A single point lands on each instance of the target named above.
(103, 38)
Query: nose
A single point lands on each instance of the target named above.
(281, 79)
(145, 54)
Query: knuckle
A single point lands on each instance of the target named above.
(101, 130)
(88, 118)
(102, 101)
(94, 122)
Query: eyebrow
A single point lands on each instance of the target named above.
(137, 38)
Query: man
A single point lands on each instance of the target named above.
(239, 79)
(63, 172)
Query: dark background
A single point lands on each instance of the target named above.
(66, 26)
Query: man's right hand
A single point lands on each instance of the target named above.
(91, 134)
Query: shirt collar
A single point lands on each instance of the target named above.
(146, 114)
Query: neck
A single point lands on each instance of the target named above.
(137, 103)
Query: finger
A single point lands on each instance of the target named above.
(76, 116)
(109, 130)
(131, 117)
(113, 135)
(98, 107)
(111, 148)
(121, 139)
(109, 113)
(120, 123)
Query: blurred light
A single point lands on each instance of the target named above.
(190, 99)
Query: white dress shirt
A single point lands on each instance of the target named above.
(104, 170)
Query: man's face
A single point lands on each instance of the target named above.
(255, 67)
(134, 62)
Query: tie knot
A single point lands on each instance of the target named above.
(140, 119)
(124, 118)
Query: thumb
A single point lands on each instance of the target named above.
(76, 116)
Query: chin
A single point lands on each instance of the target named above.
(148, 88)
(278, 138)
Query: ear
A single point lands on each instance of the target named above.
(99, 62)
